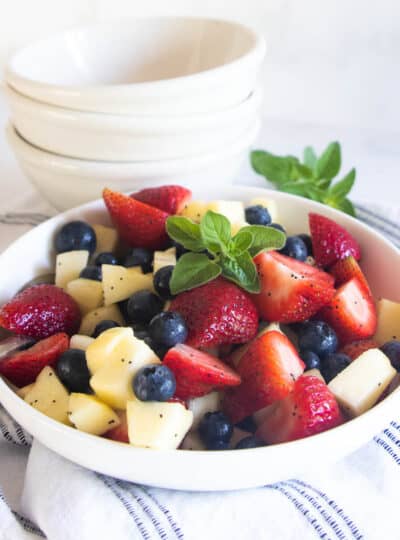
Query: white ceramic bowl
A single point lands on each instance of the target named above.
(153, 65)
(203, 470)
(106, 137)
(67, 182)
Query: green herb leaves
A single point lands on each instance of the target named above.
(217, 253)
(312, 178)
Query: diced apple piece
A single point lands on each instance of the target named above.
(92, 319)
(158, 425)
(79, 341)
(87, 293)
(69, 265)
(202, 405)
(106, 238)
(49, 396)
(164, 258)
(388, 321)
(314, 373)
(269, 204)
(358, 387)
(22, 392)
(119, 283)
(89, 414)
(194, 210)
(192, 441)
(232, 210)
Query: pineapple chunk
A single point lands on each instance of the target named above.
(159, 425)
(358, 387)
(388, 321)
(232, 210)
(119, 283)
(164, 258)
(89, 414)
(194, 210)
(201, 405)
(91, 319)
(271, 206)
(69, 266)
(49, 396)
(78, 341)
(87, 293)
(106, 238)
(22, 392)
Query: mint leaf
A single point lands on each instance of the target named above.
(192, 270)
(240, 242)
(345, 205)
(303, 170)
(242, 271)
(344, 186)
(264, 238)
(328, 164)
(310, 157)
(215, 231)
(185, 232)
(276, 169)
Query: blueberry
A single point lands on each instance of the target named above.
(91, 272)
(140, 257)
(158, 350)
(140, 332)
(249, 442)
(310, 359)
(154, 383)
(72, 370)
(143, 306)
(392, 351)
(247, 424)
(318, 337)
(168, 328)
(278, 227)
(257, 215)
(161, 281)
(75, 235)
(215, 430)
(105, 258)
(295, 248)
(103, 326)
(333, 364)
(307, 240)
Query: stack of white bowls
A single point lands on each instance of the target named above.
(142, 102)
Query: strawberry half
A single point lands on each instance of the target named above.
(331, 242)
(197, 373)
(138, 224)
(309, 409)
(170, 199)
(351, 313)
(217, 313)
(268, 368)
(291, 291)
(41, 311)
(347, 269)
(355, 349)
(23, 367)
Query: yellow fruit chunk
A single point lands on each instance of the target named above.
(49, 396)
(87, 293)
(69, 265)
(106, 313)
(89, 414)
(119, 283)
(79, 341)
(106, 238)
(164, 258)
(388, 321)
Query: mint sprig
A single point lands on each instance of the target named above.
(311, 178)
(215, 252)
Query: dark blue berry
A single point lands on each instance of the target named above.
(249, 442)
(180, 250)
(105, 258)
(333, 364)
(75, 235)
(257, 215)
(308, 242)
(168, 328)
(295, 248)
(91, 272)
(140, 257)
(140, 331)
(103, 326)
(318, 337)
(392, 351)
(154, 383)
(215, 429)
(72, 370)
(247, 424)
(278, 227)
(161, 281)
(310, 359)
(158, 350)
(143, 306)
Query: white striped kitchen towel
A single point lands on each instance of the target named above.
(43, 495)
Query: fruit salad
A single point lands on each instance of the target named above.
(200, 326)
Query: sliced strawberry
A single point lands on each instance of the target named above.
(138, 224)
(197, 373)
(217, 313)
(171, 199)
(356, 348)
(268, 368)
(291, 291)
(347, 269)
(41, 311)
(331, 242)
(22, 368)
(119, 433)
(309, 409)
(351, 313)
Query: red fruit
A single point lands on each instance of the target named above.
(347, 269)
(41, 311)
(217, 313)
(119, 433)
(138, 224)
(309, 409)
(23, 367)
(291, 291)
(331, 242)
(197, 373)
(351, 313)
(268, 369)
(171, 199)
(356, 348)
